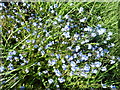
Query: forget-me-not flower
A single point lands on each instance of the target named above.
(61, 80)
(50, 81)
(104, 86)
(72, 63)
(66, 34)
(2, 68)
(103, 68)
(101, 31)
(98, 64)
(112, 61)
(81, 9)
(57, 72)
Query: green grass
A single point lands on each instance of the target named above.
(108, 11)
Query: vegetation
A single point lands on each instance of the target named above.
(65, 45)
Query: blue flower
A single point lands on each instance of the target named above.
(101, 31)
(11, 68)
(22, 23)
(55, 22)
(112, 61)
(57, 86)
(77, 48)
(94, 71)
(112, 44)
(52, 11)
(55, 5)
(110, 33)
(33, 41)
(84, 57)
(67, 56)
(92, 65)
(113, 86)
(71, 73)
(16, 58)
(26, 70)
(98, 64)
(86, 68)
(61, 80)
(80, 53)
(47, 46)
(93, 34)
(10, 65)
(12, 53)
(89, 46)
(40, 19)
(104, 41)
(71, 4)
(51, 7)
(103, 68)
(28, 41)
(64, 66)
(3, 82)
(64, 42)
(22, 88)
(34, 24)
(51, 63)
(34, 33)
(99, 17)
(66, 34)
(2, 68)
(38, 63)
(39, 73)
(2, 4)
(104, 85)
(84, 74)
(45, 72)
(24, 28)
(81, 9)
(89, 54)
(24, 4)
(39, 48)
(19, 31)
(25, 61)
(82, 42)
(9, 57)
(58, 56)
(60, 20)
(50, 81)
(118, 58)
(78, 61)
(41, 8)
(106, 51)
(71, 58)
(47, 34)
(66, 16)
(83, 20)
(75, 55)
(42, 52)
(28, 30)
(57, 72)
(22, 64)
(108, 38)
(88, 28)
(102, 53)
(35, 46)
(2, 17)
(72, 63)
(73, 68)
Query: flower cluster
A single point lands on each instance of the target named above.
(54, 47)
